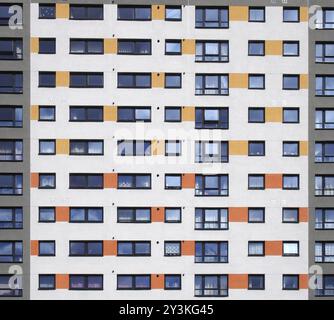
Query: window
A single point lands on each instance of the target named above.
(324, 185)
(324, 218)
(47, 181)
(47, 147)
(211, 252)
(133, 248)
(173, 47)
(290, 48)
(256, 282)
(324, 118)
(86, 147)
(290, 149)
(46, 113)
(324, 52)
(173, 80)
(86, 282)
(290, 82)
(47, 45)
(211, 118)
(86, 114)
(173, 215)
(135, 47)
(86, 80)
(47, 79)
(211, 17)
(325, 285)
(290, 181)
(325, 18)
(255, 248)
(46, 214)
(133, 282)
(173, 13)
(290, 115)
(211, 84)
(11, 49)
(86, 215)
(324, 152)
(211, 185)
(141, 13)
(133, 114)
(86, 248)
(172, 248)
(47, 11)
(86, 46)
(46, 282)
(290, 215)
(290, 282)
(133, 215)
(256, 14)
(256, 115)
(256, 148)
(290, 14)
(11, 116)
(211, 151)
(172, 114)
(172, 282)
(256, 48)
(133, 80)
(86, 181)
(255, 181)
(5, 290)
(11, 150)
(324, 85)
(86, 12)
(11, 217)
(46, 248)
(212, 51)
(11, 82)
(324, 251)
(172, 148)
(256, 81)
(290, 248)
(6, 14)
(211, 285)
(173, 181)
(11, 184)
(134, 181)
(134, 148)
(256, 215)
(11, 251)
(211, 218)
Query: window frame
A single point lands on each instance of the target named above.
(41, 141)
(221, 58)
(291, 176)
(263, 211)
(178, 243)
(86, 111)
(291, 42)
(262, 42)
(86, 281)
(86, 46)
(220, 91)
(46, 221)
(290, 76)
(134, 76)
(85, 7)
(86, 215)
(284, 143)
(222, 258)
(134, 215)
(200, 192)
(134, 7)
(202, 24)
(133, 281)
(169, 74)
(262, 276)
(291, 254)
(256, 242)
(257, 175)
(219, 223)
(52, 242)
(173, 7)
(291, 9)
(85, 244)
(257, 8)
(134, 184)
(86, 76)
(46, 107)
(133, 249)
(47, 288)
(86, 176)
(290, 275)
(218, 289)
(47, 39)
(86, 147)
(15, 223)
(51, 174)
(257, 109)
(135, 45)
(257, 75)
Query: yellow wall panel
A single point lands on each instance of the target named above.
(273, 114)
(34, 113)
(62, 146)
(34, 45)
(238, 80)
(303, 148)
(238, 13)
(238, 147)
(158, 12)
(62, 79)
(158, 80)
(188, 114)
(188, 46)
(110, 45)
(304, 14)
(158, 147)
(62, 10)
(303, 81)
(110, 113)
(274, 47)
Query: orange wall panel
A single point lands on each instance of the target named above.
(303, 215)
(157, 214)
(157, 281)
(236, 214)
(273, 181)
(62, 281)
(273, 248)
(110, 180)
(303, 281)
(34, 247)
(238, 281)
(109, 247)
(34, 180)
(188, 248)
(62, 214)
(188, 181)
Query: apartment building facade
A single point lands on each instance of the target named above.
(171, 150)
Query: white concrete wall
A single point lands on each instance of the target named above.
(238, 167)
